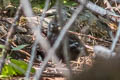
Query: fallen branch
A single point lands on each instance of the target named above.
(92, 37)
(99, 10)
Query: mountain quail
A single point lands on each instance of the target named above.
(75, 47)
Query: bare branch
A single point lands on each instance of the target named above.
(58, 41)
(4, 52)
(37, 32)
(115, 39)
(101, 11)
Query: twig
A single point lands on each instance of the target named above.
(48, 74)
(33, 54)
(58, 41)
(39, 39)
(108, 5)
(101, 11)
(4, 52)
(61, 21)
(89, 36)
(66, 57)
(28, 12)
(60, 13)
(116, 38)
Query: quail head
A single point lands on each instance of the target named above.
(75, 47)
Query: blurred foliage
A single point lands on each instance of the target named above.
(37, 5)
(70, 3)
(15, 2)
(41, 3)
(14, 68)
(21, 65)
(7, 71)
(2, 46)
(17, 67)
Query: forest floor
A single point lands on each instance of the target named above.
(95, 34)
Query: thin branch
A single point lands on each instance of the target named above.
(61, 21)
(99, 10)
(58, 41)
(60, 13)
(33, 54)
(4, 52)
(66, 56)
(108, 6)
(39, 39)
(116, 38)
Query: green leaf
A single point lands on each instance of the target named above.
(2, 46)
(21, 65)
(19, 47)
(3, 76)
(70, 3)
(11, 70)
(7, 71)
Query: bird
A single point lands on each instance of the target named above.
(75, 47)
